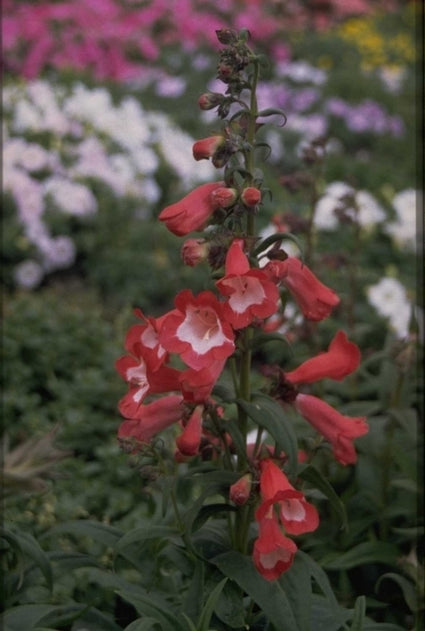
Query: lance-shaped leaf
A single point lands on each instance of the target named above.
(313, 475)
(273, 238)
(25, 544)
(269, 415)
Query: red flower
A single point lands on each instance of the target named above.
(153, 418)
(338, 429)
(295, 513)
(189, 440)
(341, 359)
(315, 300)
(205, 148)
(196, 385)
(251, 294)
(273, 553)
(197, 330)
(143, 338)
(192, 212)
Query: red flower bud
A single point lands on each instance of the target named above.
(194, 251)
(209, 100)
(223, 197)
(240, 490)
(205, 148)
(251, 196)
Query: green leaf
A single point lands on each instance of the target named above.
(410, 593)
(24, 617)
(108, 535)
(142, 624)
(144, 533)
(230, 607)
(320, 577)
(314, 476)
(324, 617)
(192, 604)
(359, 614)
(68, 561)
(297, 586)
(362, 554)
(26, 544)
(267, 413)
(278, 236)
(152, 606)
(268, 595)
(273, 111)
(207, 612)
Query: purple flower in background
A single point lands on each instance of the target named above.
(303, 99)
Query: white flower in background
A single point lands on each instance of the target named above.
(369, 212)
(389, 298)
(302, 72)
(72, 198)
(392, 77)
(325, 217)
(28, 274)
(364, 209)
(404, 229)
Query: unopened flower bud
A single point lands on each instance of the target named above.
(209, 100)
(205, 148)
(251, 196)
(223, 197)
(240, 490)
(194, 251)
(227, 36)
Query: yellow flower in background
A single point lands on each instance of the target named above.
(378, 48)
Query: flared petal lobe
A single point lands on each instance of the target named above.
(338, 429)
(273, 553)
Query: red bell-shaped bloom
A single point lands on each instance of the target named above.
(153, 418)
(341, 359)
(315, 300)
(197, 330)
(338, 429)
(273, 553)
(250, 293)
(296, 515)
(192, 212)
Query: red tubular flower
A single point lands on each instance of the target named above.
(273, 553)
(251, 196)
(189, 440)
(153, 418)
(143, 339)
(341, 359)
(251, 294)
(205, 148)
(315, 300)
(296, 515)
(338, 429)
(192, 212)
(197, 330)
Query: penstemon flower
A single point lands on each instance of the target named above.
(180, 364)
